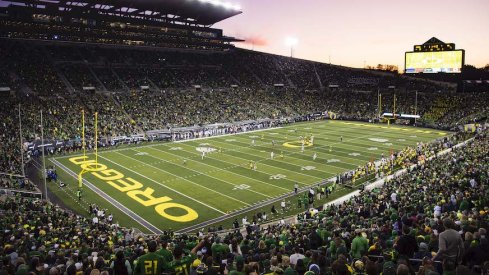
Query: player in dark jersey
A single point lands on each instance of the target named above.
(150, 263)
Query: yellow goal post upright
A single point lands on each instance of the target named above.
(388, 119)
(394, 110)
(80, 175)
(379, 104)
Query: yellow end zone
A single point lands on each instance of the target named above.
(386, 127)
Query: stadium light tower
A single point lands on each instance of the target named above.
(291, 42)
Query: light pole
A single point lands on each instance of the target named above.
(291, 42)
(415, 107)
(43, 160)
(21, 144)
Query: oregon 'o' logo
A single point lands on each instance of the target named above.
(332, 115)
(296, 144)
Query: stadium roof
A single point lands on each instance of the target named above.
(198, 12)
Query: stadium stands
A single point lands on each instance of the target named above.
(379, 231)
(135, 90)
(146, 66)
(52, 77)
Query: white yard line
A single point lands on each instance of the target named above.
(115, 203)
(167, 187)
(274, 167)
(299, 153)
(260, 130)
(277, 158)
(359, 137)
(201, 173)
(379, 144)
(362, 158)
(308, 149)
(337, 131)
(221, 169)
(342, 149)
(178, 141)
(394, 128)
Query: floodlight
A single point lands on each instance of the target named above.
(291, 41)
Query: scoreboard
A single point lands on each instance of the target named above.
(434, 62)
(434, 56)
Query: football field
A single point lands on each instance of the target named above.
(162, 185)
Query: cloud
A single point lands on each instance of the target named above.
(254, 40)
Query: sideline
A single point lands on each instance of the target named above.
(378, 183)
(158, 143)
(382, 181)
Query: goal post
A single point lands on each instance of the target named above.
(80, 175)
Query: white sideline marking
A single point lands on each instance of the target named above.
(111, 200)
(235, 165)
(274, 167)
(177, 141)
(185, 178)
(318, 147)
(299, 159)
(180, 193)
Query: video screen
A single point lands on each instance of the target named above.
(434, 62)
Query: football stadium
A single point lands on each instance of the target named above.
(140, 137)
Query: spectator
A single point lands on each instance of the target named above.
(150, 263)
(406, 244)
(359, 245)
(451, 246)
(121, 265)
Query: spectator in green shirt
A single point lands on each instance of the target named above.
(150, 263)
(219, 250)
(181, 263)
(359, 245)
(164, 252)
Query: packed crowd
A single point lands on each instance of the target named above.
(10, 182)
(401, 159)
(125, 114)
(449, 225)
(10, 153)
(45, 67)
(431, 220)
(52, 77)
(154, 111)
(383, 230)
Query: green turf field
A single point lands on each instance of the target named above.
(157, 186)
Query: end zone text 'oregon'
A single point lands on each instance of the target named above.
(135, 190)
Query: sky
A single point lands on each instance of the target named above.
(357, 32)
